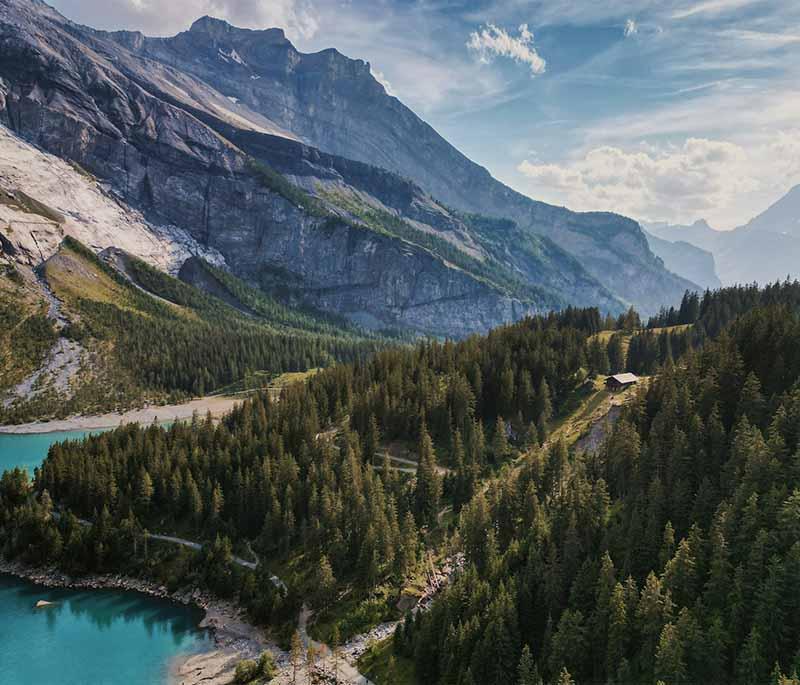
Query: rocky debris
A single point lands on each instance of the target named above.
(61, 366)
(593, 440)
(438, 579)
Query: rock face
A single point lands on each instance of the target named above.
(156, 119)
(335, 104)
(43, 199)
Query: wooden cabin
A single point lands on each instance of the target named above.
(620, 381)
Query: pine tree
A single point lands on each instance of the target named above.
(429, 483)
(500, 441)
(670, 660)
(296, 656)
(325, 583)
(526, 671)
(144, 490)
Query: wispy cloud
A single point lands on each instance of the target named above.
(491, 41)
(710, 7)
(380, 78)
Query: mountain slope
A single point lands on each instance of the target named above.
(334, 103)
(333, 233)
(146, 121)
(90, 333)
(686, 260)
(783, 217)
(43, 199)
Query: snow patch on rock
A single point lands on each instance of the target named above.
(231, 56)
(91, 212)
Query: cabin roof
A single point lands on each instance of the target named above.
(624, 378)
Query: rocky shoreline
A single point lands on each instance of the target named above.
(234, 637)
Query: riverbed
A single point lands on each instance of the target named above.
(216, 404)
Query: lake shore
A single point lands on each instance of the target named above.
(234, 637)
(217, 405)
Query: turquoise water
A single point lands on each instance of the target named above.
(29, 451)
(97, 637)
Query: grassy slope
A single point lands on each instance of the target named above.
(26, 335)
(118, 323)
(382, 667)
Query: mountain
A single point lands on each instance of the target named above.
(783, 217)
(699, 234)
(89, 333)
(182, 129)
(335, 104)
(686, 260)
(764, 250)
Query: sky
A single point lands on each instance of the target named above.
(662, 110)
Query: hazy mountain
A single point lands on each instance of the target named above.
(218, 132)
(686, 260)
(764, 250)
(783, 217)
(699, 234)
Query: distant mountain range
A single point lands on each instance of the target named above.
(685, 259)
(764, 250)
(303, 177)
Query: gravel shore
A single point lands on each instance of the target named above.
(160, 413)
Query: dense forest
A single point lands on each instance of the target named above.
(671, 555)
(306, 474)
(699, 318)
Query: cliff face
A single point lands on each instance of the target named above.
(154, 118)
(335, 104)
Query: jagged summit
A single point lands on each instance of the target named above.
(179, 125)
(219, 29)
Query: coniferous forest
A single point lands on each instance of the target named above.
(306, 472)
(671, 554)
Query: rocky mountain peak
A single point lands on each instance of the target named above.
(702, 224)
(219, 29)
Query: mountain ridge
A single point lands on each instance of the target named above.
(182, 151)
(763, 250)
(383, 122)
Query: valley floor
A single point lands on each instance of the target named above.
(216, 404)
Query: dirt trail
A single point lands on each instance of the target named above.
(347, 673)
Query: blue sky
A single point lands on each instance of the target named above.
(673, 110)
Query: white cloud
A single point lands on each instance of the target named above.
(380, 78)
(490, 41)
(631, 27)
(702, 178)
